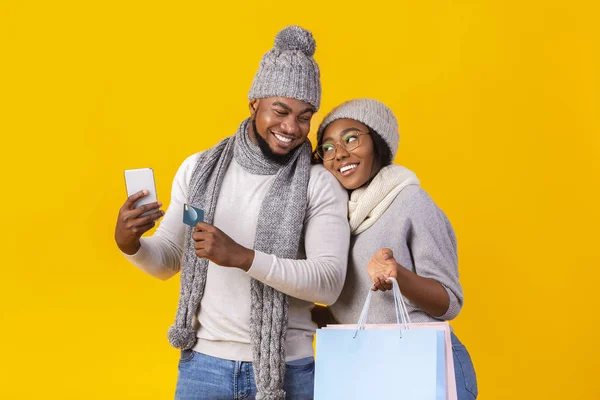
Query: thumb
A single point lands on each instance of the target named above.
(387, 254)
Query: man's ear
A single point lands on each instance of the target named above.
(253, 106)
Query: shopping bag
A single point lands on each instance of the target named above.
(395, 362)
(451, 393)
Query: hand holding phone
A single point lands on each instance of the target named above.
(140, 211)
(137, 180)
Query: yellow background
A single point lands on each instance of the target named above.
(498, 103)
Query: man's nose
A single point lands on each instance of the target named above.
(290, 125)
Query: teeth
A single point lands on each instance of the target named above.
(283, 138)
(348, 167)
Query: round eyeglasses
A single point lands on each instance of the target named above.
(348, 142)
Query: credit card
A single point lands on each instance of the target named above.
(192, 215)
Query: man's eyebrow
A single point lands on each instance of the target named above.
(307, 109)
(280, 104)
(289, 109)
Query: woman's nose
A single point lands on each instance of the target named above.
(340, 151)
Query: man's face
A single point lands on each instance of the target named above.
(281, 123)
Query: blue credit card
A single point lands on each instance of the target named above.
(192, 215)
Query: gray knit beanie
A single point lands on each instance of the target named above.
(370, 112)
(289, 69)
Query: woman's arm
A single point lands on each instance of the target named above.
(433, 286)
(427, 294)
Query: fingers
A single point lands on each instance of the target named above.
(136, 212)
(202, 253)
(147, 219)
(204, 227)
(381, 283)
(141, 229)
(146, 227)
(378, 284)
(202, 236)
(386, 284)
(133, 198)
(203, 244)
(134, 218)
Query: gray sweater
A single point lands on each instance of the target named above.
(422, 240)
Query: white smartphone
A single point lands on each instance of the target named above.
(141, 179)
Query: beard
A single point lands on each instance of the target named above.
(280, 159)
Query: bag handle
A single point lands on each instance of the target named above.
(402, 317)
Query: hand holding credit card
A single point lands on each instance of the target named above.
(192, 215)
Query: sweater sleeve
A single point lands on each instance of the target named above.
(160, 254)
(432, 243)
(320, 277)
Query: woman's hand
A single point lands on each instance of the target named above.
(426, 293)
(381, 267)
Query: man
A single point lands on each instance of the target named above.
(274, 241)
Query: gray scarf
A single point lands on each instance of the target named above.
(280, 224)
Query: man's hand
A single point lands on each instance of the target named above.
(131, 225)
(213, 244)
(381, 267)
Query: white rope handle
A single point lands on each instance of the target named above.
(401, 304)
(402, 317)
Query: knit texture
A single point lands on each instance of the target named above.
(289, 69)
(278, 232)
(373, 114)
(368, 203)
(422, 241)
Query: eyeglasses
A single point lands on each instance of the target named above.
(349, 142)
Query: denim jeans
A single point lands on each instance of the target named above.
(466, 380)
(203, 377)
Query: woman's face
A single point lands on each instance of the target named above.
(353, 168)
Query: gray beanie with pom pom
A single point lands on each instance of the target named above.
(289, 69)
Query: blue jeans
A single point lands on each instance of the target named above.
(203, 377)
(466, 380)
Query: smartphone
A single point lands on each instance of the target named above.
(141, 179)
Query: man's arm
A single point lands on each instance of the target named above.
(160, 255)
(319, 278)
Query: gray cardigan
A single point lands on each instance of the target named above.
(422, 240)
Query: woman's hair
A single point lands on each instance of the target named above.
(382, 155)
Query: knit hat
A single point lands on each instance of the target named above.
(289, 69)
(370, 112)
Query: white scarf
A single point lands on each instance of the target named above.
(368, 203)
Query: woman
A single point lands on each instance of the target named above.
(397, 229)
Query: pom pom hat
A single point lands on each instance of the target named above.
(289, 69)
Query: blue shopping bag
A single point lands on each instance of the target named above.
(365, 363)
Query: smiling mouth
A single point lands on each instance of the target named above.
(348, 169)
(285, 140)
